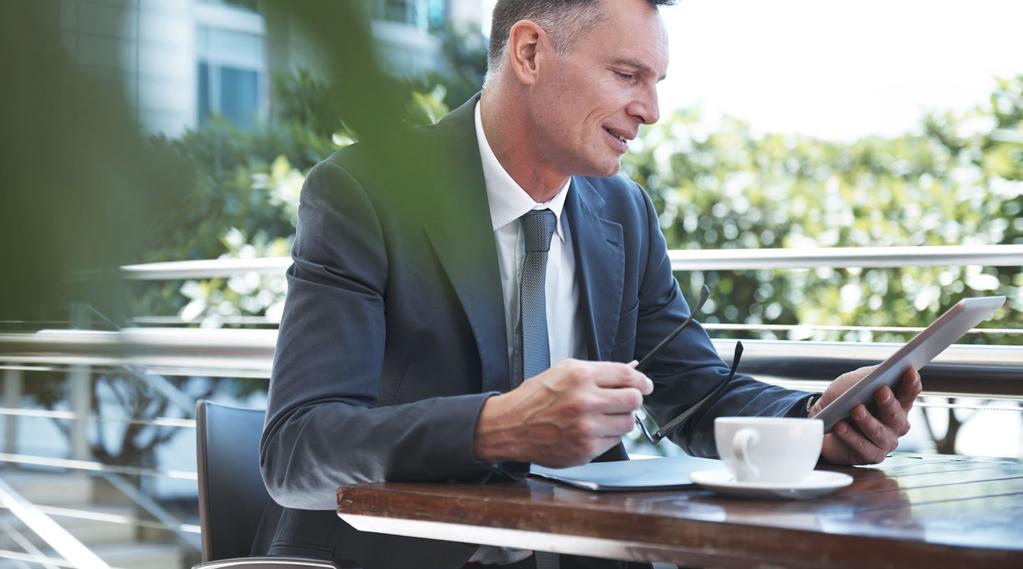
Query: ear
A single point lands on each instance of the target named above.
(527, 42)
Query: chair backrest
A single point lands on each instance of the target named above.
(231, 491)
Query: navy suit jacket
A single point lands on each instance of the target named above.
(393, 333)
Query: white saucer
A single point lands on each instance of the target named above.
(818, 483)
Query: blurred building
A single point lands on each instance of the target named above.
(183, 61)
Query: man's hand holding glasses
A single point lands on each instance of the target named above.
(576, 410)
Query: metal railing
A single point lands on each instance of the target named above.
(681, 260)
(93, 466)
(845, 257)
(238, 353)
(58, 538)
(992, 370)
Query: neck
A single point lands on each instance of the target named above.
(509, 134)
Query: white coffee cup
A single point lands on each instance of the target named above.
(769, 449)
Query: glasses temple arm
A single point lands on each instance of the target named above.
(704, 295)
(710, 399)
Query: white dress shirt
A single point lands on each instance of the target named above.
(508, 203)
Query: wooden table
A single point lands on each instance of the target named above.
(910, 511)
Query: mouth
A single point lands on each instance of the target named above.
(619, 138)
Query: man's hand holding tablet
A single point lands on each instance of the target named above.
(877, 399)
(877, 429)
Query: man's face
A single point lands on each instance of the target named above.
(588, 103)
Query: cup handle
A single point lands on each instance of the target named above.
(741, 443)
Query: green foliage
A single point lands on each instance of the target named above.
(958, 183)
(302, 100)
(427, 108)
(82, 192)
(245, 197)
(465, 64)
(214, 301)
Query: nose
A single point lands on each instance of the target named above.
(645, 106)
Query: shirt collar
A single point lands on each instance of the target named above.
(508, 201)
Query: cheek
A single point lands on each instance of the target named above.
(561, 119)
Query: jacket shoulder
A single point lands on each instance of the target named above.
(389, 164)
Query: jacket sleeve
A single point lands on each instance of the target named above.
(690, 367)
(324, 427)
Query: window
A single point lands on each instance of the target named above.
(231, 76)
(250, 5)
(230, 92)
(427, 15)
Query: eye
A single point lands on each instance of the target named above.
(625, 76)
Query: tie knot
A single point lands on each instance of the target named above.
(539, 225)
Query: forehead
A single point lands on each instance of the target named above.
(630, 30)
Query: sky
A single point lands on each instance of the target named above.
(838, 69)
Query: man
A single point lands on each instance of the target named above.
(432, 290)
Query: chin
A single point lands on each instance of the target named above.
(609, 168)
(597, 166)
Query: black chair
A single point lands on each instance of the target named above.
(231, 491)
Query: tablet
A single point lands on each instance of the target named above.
(948, 328)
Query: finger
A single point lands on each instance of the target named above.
(890, 412)
(909, 388)
(615, 426)
(875, 432)
(599, 446)
(856, 374)
(615, 401)
(621, 375)
(840, 433)
(845, 454)
(858, 445)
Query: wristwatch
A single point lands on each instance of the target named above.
(813, 398)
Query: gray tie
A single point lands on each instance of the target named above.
(535, 349)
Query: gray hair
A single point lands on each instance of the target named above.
(563, 20)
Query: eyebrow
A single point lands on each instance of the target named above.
(630, 62)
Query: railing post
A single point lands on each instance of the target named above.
(80, 379)
(13, 384)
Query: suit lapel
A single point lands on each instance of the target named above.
(462, 236)
(600, 262)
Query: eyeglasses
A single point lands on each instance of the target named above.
(661, 432)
